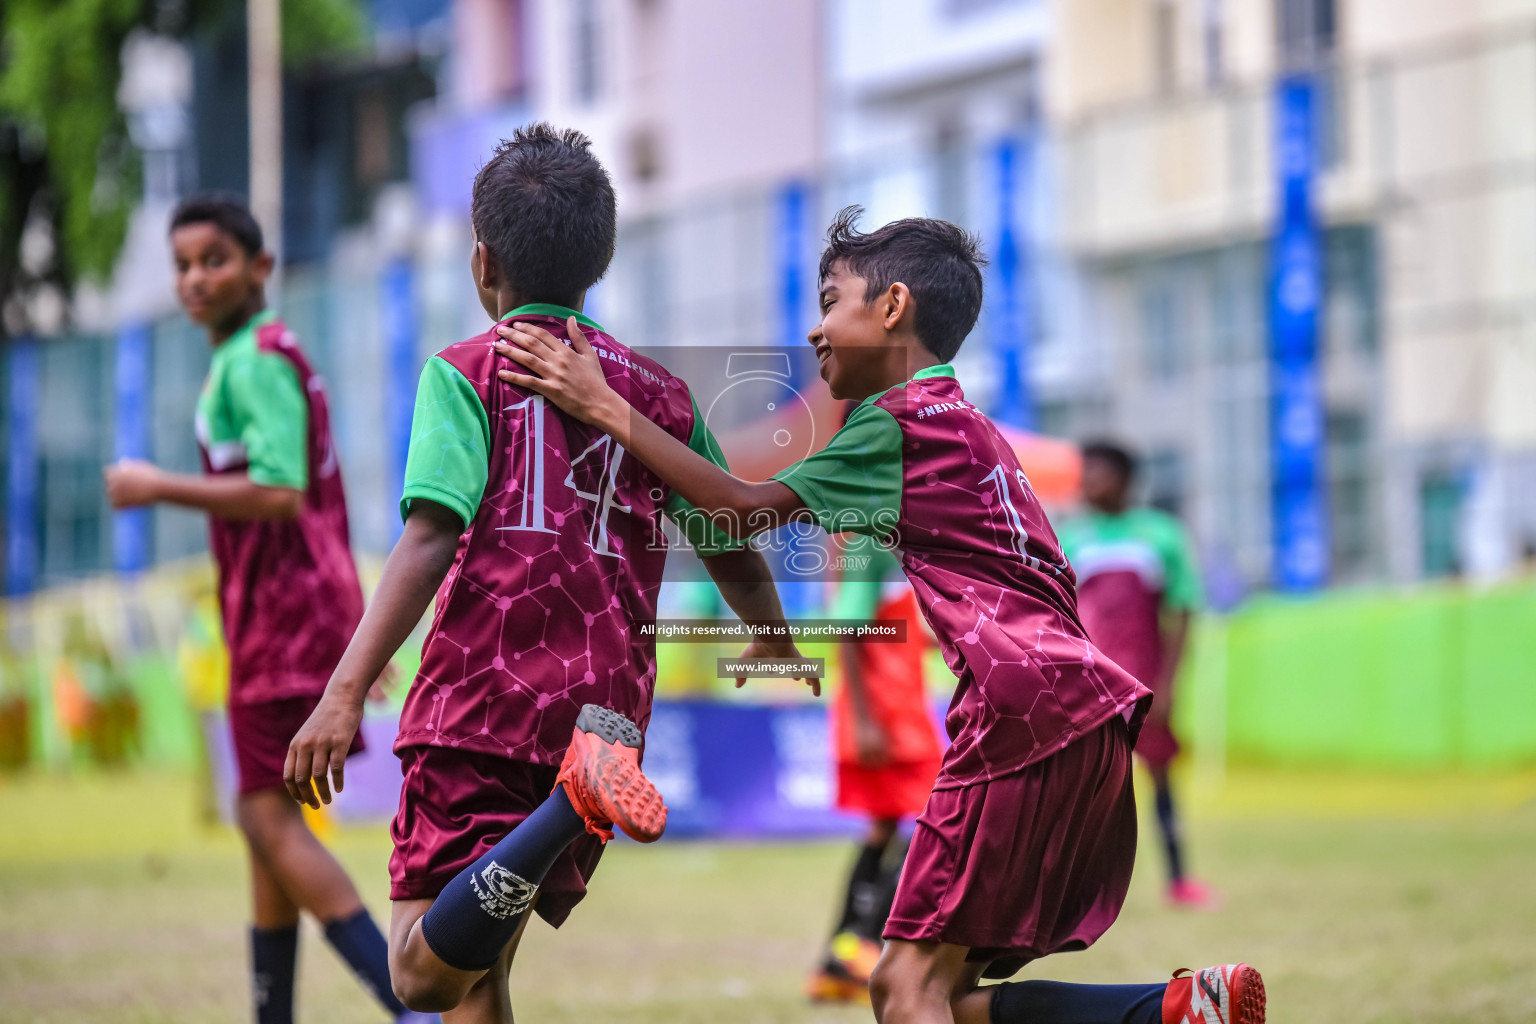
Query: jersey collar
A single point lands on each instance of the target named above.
(558, 312)
(249, 328)
(939, 370)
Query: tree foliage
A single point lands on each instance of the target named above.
(65, 153)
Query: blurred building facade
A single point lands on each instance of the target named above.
(1166, 114)
(1120, 160)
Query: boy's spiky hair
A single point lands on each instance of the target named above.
(224, 210)
(939, 263)
(544, 207)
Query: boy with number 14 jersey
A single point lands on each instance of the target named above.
(560, 561)
(541, 539)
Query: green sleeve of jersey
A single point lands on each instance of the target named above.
(701, 531)
(448, 460)
(268, 410)
(853, 485)
(1181, 584)
(858, 592)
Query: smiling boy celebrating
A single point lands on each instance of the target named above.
(1026, 845)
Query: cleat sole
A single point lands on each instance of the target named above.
(609, 725)
(603, 763)
(634, 803)
(1248, 999)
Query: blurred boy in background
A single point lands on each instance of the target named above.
(288, 588)
(1137, 588)
(888, 756)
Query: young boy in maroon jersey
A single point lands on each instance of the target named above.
(1026, 845)
(1137, 588)
(288, 589)
(520, 737)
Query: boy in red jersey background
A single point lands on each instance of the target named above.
(1137, 588)
(288, 589)
(887, 755)
(542, 541)
(1026, 846)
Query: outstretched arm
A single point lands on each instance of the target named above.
(415, 569)
(572, 377)
(133, 482)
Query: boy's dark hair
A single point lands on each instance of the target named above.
(938, 262)
(1117, 456)
(224, 210)
(544, 206)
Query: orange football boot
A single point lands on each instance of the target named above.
(602, 777)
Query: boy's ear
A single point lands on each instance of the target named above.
(895, 303)
(261, 266)
(485, 272)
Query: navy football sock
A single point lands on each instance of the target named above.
(862, 884)
(478, 911)
(1055, 1002)
(273, 954)
(1168, 820)
(873, 926)
(363, 947)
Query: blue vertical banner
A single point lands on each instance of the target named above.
(801, 595)
(1010, 317)
(791, 236)
(21, 555)
(398, 287)
(130, 439)
(1297, 415)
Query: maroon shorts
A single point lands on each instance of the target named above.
(1028, 864)
(262, 732)
(897, 790)
(457, 804)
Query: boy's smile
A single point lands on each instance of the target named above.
(858, 344)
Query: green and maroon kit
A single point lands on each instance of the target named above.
(1132, 568)
(288, 589)
(557, 571)
(1037, 775)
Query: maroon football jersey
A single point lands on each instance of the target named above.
(288, 589)
(996, 589)
(920, 465)
(560, 562)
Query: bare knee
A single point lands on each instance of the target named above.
(423, 989)
(263, 818)
(919, 982)
(882, 987)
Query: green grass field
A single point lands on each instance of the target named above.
(1363, 901)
